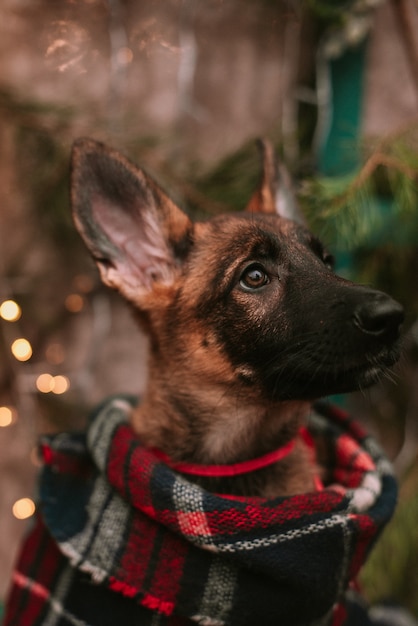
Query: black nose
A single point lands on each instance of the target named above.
(379, 315)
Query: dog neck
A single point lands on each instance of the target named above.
(186, 431)
(214, 427)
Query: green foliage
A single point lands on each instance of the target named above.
(340, 210)
(44, 165)
(41, 133)
(230, 184)
(376, 203)
(330, 11)
(29, 113)
(402, 173)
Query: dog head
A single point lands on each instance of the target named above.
(246, 299)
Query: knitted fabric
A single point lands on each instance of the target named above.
(125, 540)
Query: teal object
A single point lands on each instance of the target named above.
(339, 152)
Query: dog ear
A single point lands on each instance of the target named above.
(275, 193)
(134, 231)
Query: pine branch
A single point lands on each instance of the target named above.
(346, 208)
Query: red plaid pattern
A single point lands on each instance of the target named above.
(125, 540)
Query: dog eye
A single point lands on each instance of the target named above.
(254, 277)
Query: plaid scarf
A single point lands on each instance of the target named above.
(121, 533)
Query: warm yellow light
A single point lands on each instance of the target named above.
(21, 349)
(74, 303)
(45, 383)
(10, 311)
(7, 416)
(61, 384)
(23, 508)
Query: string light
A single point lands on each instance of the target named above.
(46, 383)
(7, 416)
(10, 311)
(74, 303)
(21, 349)
(61, 384)
(23, 508)
(55, 353)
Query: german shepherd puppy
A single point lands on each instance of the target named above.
(247, 322)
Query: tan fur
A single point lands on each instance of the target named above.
(219, 375)
(231, 422)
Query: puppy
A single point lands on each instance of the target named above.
(247, 325)
(247, 322)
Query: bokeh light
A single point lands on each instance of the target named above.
(46, 383)
(74, 303)
(21, 349)
(10, 311)
(23, 508)
(7, 416)
(61, 384)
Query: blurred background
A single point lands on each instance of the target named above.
(184, 87)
